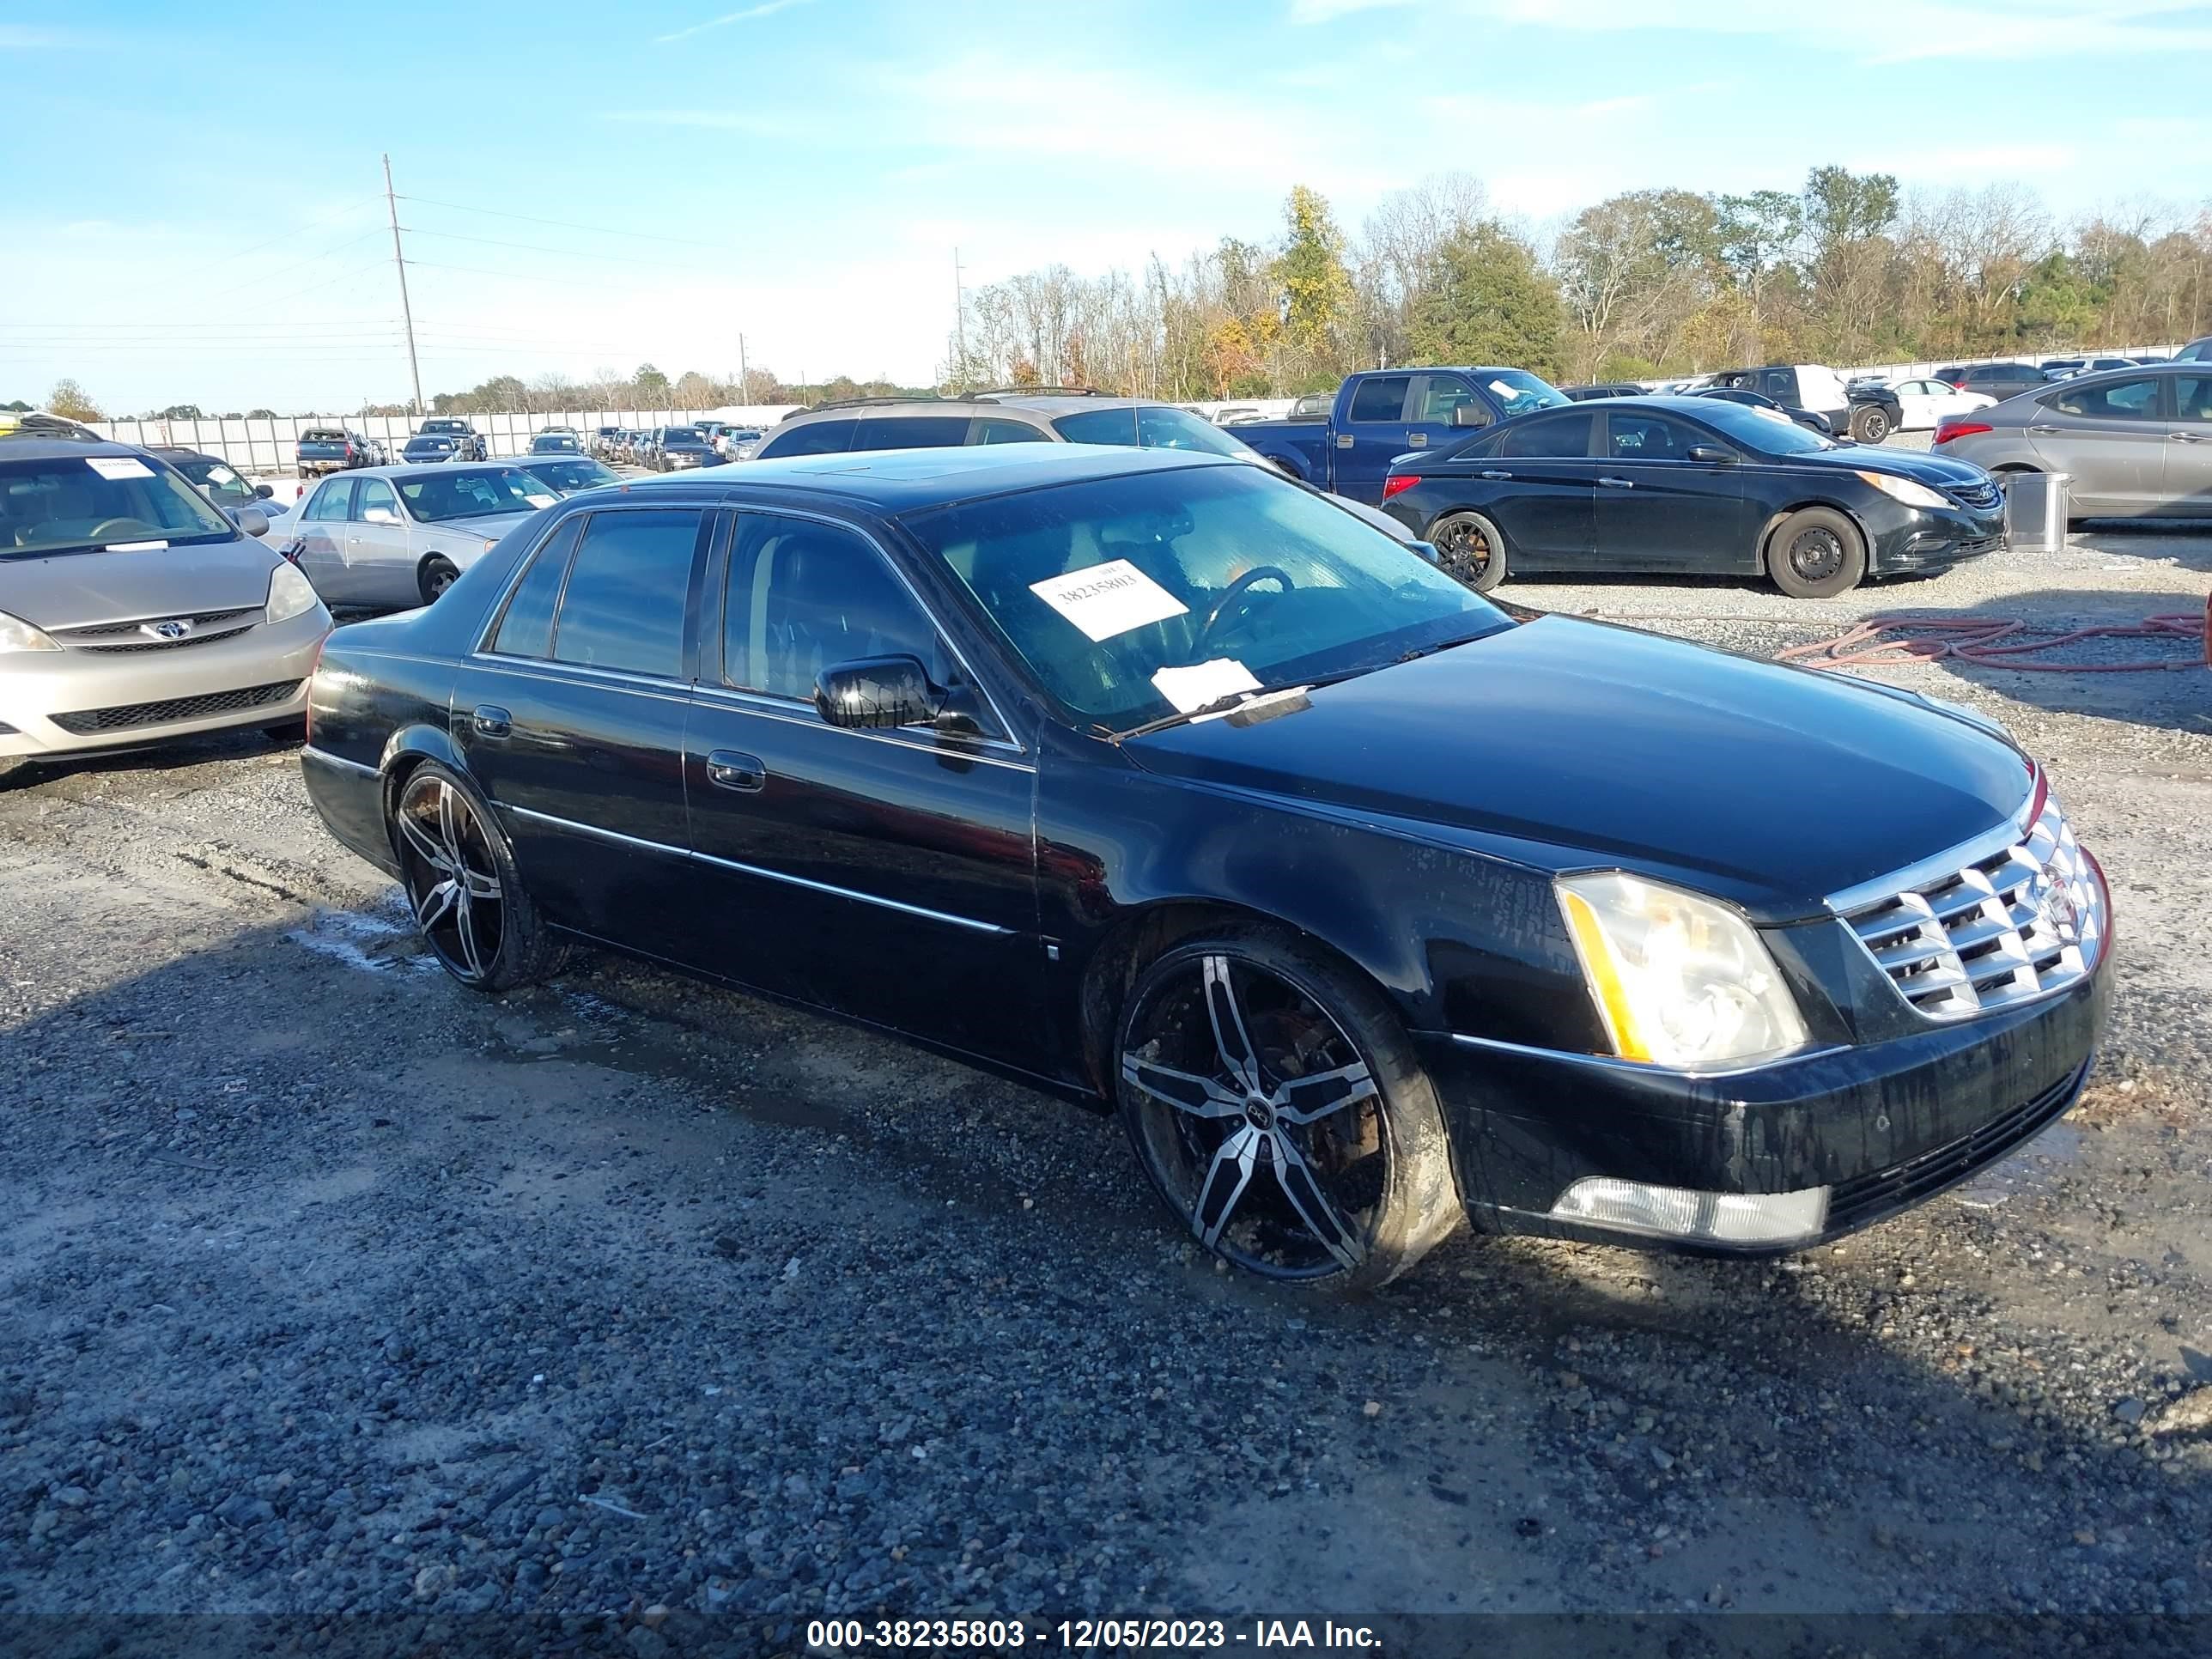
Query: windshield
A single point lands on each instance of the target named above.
(570, 475)
(1518, 392)
(473, 493)
(80, 503)
(1760, 428)
(553, 445)
(222, 482)
(1105, 588)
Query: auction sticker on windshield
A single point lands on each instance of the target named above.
(1109, 598)
(119, 466)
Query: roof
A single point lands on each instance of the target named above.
(39, 446)
(895, 481)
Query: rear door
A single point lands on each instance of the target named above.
(1542, 475)
(2188, 480)
(571, 718)
(888, 875)
(2109, 437)
(1656, 509)
(1373, 430)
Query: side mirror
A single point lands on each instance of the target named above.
(870, 692)
(252, 521)
(1711, 454)
(1470, 415)
(380, 515)
(265, 492)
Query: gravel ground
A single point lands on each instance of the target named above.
(331, 1287)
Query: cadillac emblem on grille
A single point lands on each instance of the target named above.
(176, 627)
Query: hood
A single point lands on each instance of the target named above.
(82, 590)
(1581, 744)
(1940, 471)
(473, 535)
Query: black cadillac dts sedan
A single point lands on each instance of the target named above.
(1166, 785)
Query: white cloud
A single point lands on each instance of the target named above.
(744, 16)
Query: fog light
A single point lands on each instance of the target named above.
(1637, 1206)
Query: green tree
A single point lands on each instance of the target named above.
(1312, 271)
(653, 386)
(1483, 300)
(71, 401)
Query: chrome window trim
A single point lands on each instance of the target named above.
(540, 668)
(794, 712)
(741, 508)
(621, 840)
(1645, 1068)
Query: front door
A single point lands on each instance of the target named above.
(1432, 420)
(1372, 432)
(1659, 510)
(2110, 438)
(571, 719)
(889, 874)
(378, 561)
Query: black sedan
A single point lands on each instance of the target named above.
(1690, 485)
(1154, 780)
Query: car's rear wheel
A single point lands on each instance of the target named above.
(1278, 1106)
(461, 883)
(1870, 423)
(437, 574)
(1470, 549)
(1816, 553)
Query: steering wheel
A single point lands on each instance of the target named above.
(117, 529)
(1233, 595)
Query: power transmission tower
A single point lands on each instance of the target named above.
(406, 311)
(959, 324)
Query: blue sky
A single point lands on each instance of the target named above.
(192, 209)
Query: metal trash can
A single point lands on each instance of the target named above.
(2035, 510)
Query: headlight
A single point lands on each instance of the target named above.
(1903, 489)
(1678, 980)
(16, 634)
(290, 593)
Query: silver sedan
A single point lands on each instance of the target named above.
(393, 537)
(2135, 443)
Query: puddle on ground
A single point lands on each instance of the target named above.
(2029, 1170)
(380, 939)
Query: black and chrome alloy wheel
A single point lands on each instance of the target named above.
(453, 875)
(1264, 1122)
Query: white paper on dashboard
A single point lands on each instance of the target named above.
(1191, 688)
(1109, 598)
(119, 466)
(541, 500)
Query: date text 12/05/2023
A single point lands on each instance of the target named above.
(1083, 1635)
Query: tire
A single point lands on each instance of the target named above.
(1344, 1196)
(436, 575)
(483, 929)
(1470, 550)
(1816, 553)
(1870, 423)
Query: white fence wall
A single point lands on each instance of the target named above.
(269, 446)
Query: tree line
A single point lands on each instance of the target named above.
(1849, 269)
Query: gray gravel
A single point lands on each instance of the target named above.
(329, 1286)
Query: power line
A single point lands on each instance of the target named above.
(300, 264)
(534, 247)
(568, 224)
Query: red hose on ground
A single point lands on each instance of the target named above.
(1933, 639)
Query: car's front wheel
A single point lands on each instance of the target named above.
(1469, 548)
(437, 574)
(462, 885)
(1278, 1107)
(1816, 553)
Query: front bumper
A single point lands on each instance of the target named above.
(77, 701)
(1934, 539)
(1885, 1125)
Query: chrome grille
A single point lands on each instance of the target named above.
(2025, 920)
(208, 625)
(1977, 494)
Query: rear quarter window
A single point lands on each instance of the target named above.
(815, 438)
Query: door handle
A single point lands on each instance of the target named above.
(1618, 484)
(1344, 440)
(2046, 431)
(728, 769)
(491, 722)
(353, 541)
(2185, 437)
(1498, 477)
(1417, 441)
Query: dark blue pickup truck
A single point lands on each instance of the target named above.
(1383, 413)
